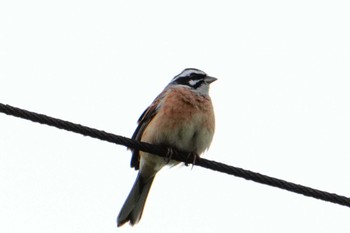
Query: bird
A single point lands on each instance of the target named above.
(180, 117)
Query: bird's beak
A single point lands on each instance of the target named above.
(209, 79)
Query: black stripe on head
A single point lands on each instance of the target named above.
(191, 77)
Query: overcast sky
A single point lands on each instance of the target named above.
(281, 103)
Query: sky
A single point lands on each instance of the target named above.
(281, 103)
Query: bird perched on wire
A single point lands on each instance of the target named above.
(181, 117)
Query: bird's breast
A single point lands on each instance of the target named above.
(184, 120)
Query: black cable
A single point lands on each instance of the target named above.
(176, 155)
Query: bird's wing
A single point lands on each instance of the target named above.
(143, 121)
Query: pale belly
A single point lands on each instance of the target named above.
(191, 136)
(184, 122)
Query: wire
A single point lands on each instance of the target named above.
(175, 154)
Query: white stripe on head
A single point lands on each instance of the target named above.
(194, 82)
(187, 72)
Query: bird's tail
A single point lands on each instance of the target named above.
(135, 202)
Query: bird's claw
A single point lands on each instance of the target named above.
(169, 155)
(192, 155)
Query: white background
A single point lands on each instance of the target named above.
(281, 103)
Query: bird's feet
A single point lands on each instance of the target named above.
(169, 155)
(192, 156)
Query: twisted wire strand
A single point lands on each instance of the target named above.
(176, 155)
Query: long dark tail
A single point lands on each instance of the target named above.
(135, 202)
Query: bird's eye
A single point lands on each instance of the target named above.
(196, 76)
